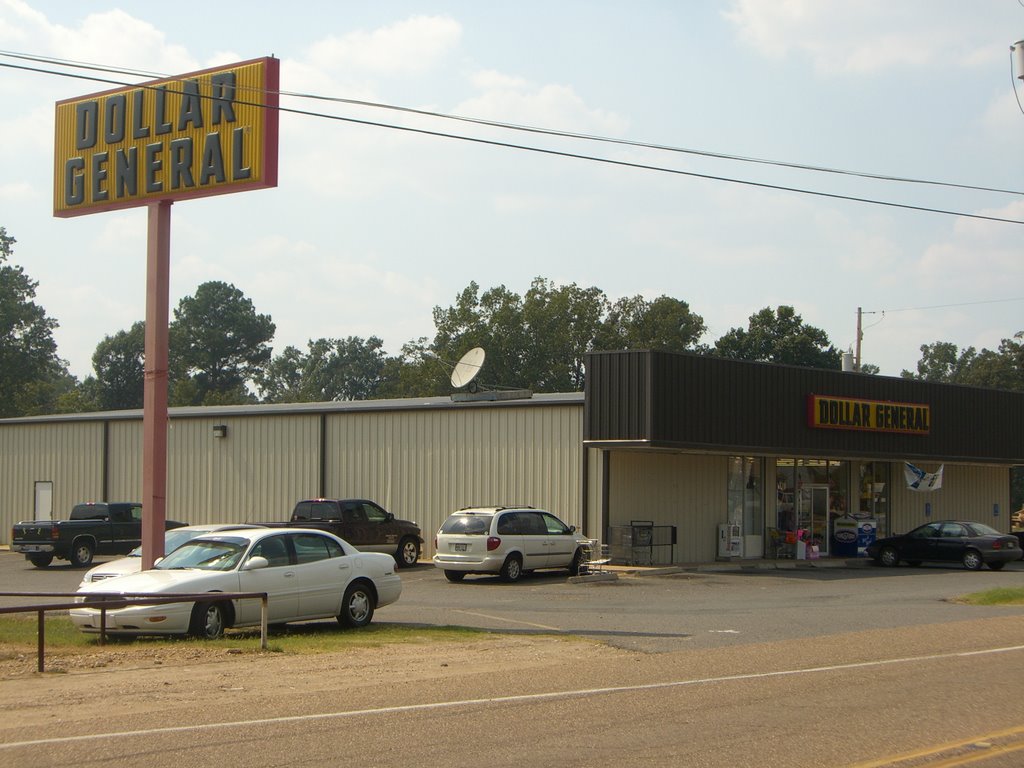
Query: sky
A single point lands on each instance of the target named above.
(370, 227)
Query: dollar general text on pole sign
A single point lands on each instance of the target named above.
(203, 133)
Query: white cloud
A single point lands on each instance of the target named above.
(868, 36)
(408, 46)
(510, 99)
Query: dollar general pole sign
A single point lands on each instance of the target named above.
(204, 133)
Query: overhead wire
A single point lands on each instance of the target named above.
(550, 131)
(528, 148)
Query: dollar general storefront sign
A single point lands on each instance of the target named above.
(205, 133)
(871, 415)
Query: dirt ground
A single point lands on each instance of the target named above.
(136, 679)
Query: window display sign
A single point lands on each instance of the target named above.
(204, 133)
(824, 412)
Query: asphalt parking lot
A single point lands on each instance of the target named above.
(660, 610)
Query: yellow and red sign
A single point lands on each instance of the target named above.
(203, 133)
(826, 412)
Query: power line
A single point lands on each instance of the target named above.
(943, 306)
(550, 131)
(558, 153)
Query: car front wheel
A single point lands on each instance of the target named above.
(208, 621)
(408, 553)
(357, 606)
(889, 557)
(972, 560)
(511, 569)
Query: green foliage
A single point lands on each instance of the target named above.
(333, 369)
(997, 596)
(32, 377)
(119, 365)
(18, 636)
(944, 362)
(218, 345)
(781, 337)
(664, 324)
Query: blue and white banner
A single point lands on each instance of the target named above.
(919, 480)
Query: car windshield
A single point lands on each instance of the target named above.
(980, 529)
(467, 524)
(172, 540)
(220, 554)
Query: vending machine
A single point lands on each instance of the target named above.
(730, 542)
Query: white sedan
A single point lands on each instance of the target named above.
(173, 538)
(306, 574)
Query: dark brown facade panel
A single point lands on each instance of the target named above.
(617, 397)
(703, 402)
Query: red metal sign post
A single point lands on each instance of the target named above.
(154, 398)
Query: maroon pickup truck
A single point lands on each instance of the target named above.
(364, 524)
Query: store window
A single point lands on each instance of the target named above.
(811, 494)
(873, 502)
(746, 499)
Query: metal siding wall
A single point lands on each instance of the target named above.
(125, 462)
(254, 474)
(68, 454)
(967, 493)
(422, 465)
(592, 525)
(687, 491)
(617, 395)
(745, 407)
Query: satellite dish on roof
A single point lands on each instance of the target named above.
(468, 367)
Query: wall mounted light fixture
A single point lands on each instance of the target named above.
(220, 430)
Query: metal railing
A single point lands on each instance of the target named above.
(123, 601)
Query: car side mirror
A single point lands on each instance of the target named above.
(572, 529)
(155, 562)
(254, 563)
(389, 517)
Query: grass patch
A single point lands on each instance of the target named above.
(18, 634)
(997, 596)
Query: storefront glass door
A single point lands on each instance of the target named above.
(811, 494)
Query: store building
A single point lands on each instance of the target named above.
(733, 459)
(751, 460)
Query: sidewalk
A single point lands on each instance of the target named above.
(611, 572)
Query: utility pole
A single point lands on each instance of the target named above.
(860, 335)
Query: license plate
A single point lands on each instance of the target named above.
(460, 547)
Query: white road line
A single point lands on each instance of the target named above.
(509, 621)
(502, 699)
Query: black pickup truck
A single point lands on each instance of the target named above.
(95, 528)
(364, 524)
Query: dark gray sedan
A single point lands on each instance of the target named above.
(948, 541)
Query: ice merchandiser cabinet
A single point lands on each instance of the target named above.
(730, 542)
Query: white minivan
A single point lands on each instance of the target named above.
(508, 541)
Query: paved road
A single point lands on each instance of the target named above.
(654, 614)
(829, 667)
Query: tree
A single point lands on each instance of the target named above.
(333, 369)
(32, 377)
(780, 336)
(561, 323)
(218, 346)
(119, 362)
(493, 321)
(942, 361)
(664, 324)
